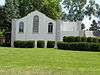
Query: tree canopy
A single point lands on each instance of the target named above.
(4, 24)
(92, 9)
(11, 9)
(74, 10)
(95, 28)
(82, 26)
(20, 8)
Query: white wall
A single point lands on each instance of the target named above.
(70, 29)
(28, 28)
(89, 34)
(69, 26)
(60, 28)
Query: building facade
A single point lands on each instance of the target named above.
(37, 26)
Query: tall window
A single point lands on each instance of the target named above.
(36, 24)
(21, 27)
(50, 27)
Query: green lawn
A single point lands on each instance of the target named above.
(15, 61)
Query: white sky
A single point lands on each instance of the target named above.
(2, 2)
(97, 1)
(85, 21)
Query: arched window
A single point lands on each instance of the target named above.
(36, 24)
(50, 27)
(21, 27)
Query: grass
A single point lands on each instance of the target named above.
(16, 61)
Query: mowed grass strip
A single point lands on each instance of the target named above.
(40, 61)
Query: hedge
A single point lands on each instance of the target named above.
(83, 39)
(40, 44)
(5, 45)
(50, 44)
(80, 39)
(81, 46)
(69, 39)
(24, 44)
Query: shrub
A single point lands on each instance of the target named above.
(74, 39)
(6, 45)
(83, 39)
(94, 47)
(77, 39)
(80, 39)
(99, 40)
(40, 44)
(24, 44)
(50, 44)
(20, 44)
(1, 33)
(95, 40)
(62, 45)
(69, 39)
(30, 44)
(82, 46)
(89, 39)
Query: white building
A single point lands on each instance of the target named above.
(37, 26)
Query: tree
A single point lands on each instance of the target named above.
(4, 24)
(11, 9)
(1, 16)
(20, 8)
(91, 9)
(51, 8)
(25, 7)
(74, 10)
(98, 13)
(82, 26)
(95, 28)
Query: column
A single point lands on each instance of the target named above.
(45, 44)
(13, 35)
(35, 44)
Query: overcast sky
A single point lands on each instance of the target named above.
(2, 2)
(86, 21)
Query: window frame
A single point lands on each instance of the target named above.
(36, 24)
(50, 28)
(21, 27)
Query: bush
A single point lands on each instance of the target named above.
(30, 44)
(40, 44)
(89, 39)
(6, 45)
(77, 39)
(95, 40)
(74, 39)
(1, 34)
(83, 39)
(99, 40)
(50, 44)
(80, 39)
(95, 47)
(24, 44)
(81, 46)
(69, 39)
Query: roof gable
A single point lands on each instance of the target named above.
(36, 12)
